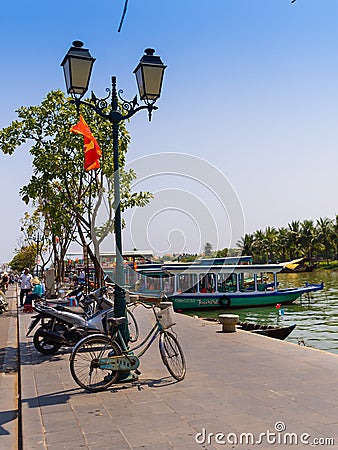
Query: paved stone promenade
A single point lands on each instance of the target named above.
(9, 375)
(238, 386)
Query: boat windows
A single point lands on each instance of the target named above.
(207, 283)
(147, 283)
(187, 283)
(226, 282)
(246, 282)
(169, 285)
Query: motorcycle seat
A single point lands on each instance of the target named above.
(71, 309)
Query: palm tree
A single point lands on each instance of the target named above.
(294, 238)
(245, 244)
(297, 239)
(308, 237)
(271, 235)
(282, 243)
(335, 235)
(260, 246)
(208, 249)
(325, 235)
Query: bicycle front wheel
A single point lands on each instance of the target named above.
(84, 363)
(172, 355)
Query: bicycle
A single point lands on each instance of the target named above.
(97, 361)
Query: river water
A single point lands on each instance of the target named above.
(316, 322)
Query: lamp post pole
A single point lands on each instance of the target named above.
(119, 294)
(77, 66)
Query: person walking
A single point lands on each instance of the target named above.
(25, 285)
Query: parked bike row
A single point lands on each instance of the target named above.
(61, 325)
(101, 353)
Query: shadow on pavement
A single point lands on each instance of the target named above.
(6, 417)
(30, 356)
(56, 398)
(61, 397)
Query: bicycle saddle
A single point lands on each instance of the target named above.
(116, 321)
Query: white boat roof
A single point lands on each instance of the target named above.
(194, 268)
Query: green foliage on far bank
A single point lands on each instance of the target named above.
(315, 240)
(324, 265)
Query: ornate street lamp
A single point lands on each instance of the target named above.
(149, 76)
(77, 66)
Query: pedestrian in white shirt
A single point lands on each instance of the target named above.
(26, 285)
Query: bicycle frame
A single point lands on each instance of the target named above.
(128, 361)
(98, 360)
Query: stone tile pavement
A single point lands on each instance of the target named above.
(239, 387)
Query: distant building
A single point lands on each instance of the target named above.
(75, 262)
(108, 259)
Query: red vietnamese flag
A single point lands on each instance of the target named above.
(92, 151)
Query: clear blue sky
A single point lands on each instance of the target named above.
(251, 87)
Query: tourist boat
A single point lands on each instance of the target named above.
(196, 285)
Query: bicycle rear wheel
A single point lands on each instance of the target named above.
(84, 363)
(172, 355)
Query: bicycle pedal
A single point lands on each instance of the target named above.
(137, 372)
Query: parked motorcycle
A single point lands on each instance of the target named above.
(74, 297)
(62, 327)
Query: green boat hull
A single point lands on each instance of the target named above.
(234, 300)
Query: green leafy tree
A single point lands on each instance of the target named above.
(35, 232)
(25, 257)
(71, 200)
(222, 253)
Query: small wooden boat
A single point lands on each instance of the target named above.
(272, 331)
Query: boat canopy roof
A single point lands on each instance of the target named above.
(229, 260)
(155, 272)
(194, 268)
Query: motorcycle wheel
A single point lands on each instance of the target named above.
(43, 344)
(3, 303)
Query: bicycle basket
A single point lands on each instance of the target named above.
(165, 314)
